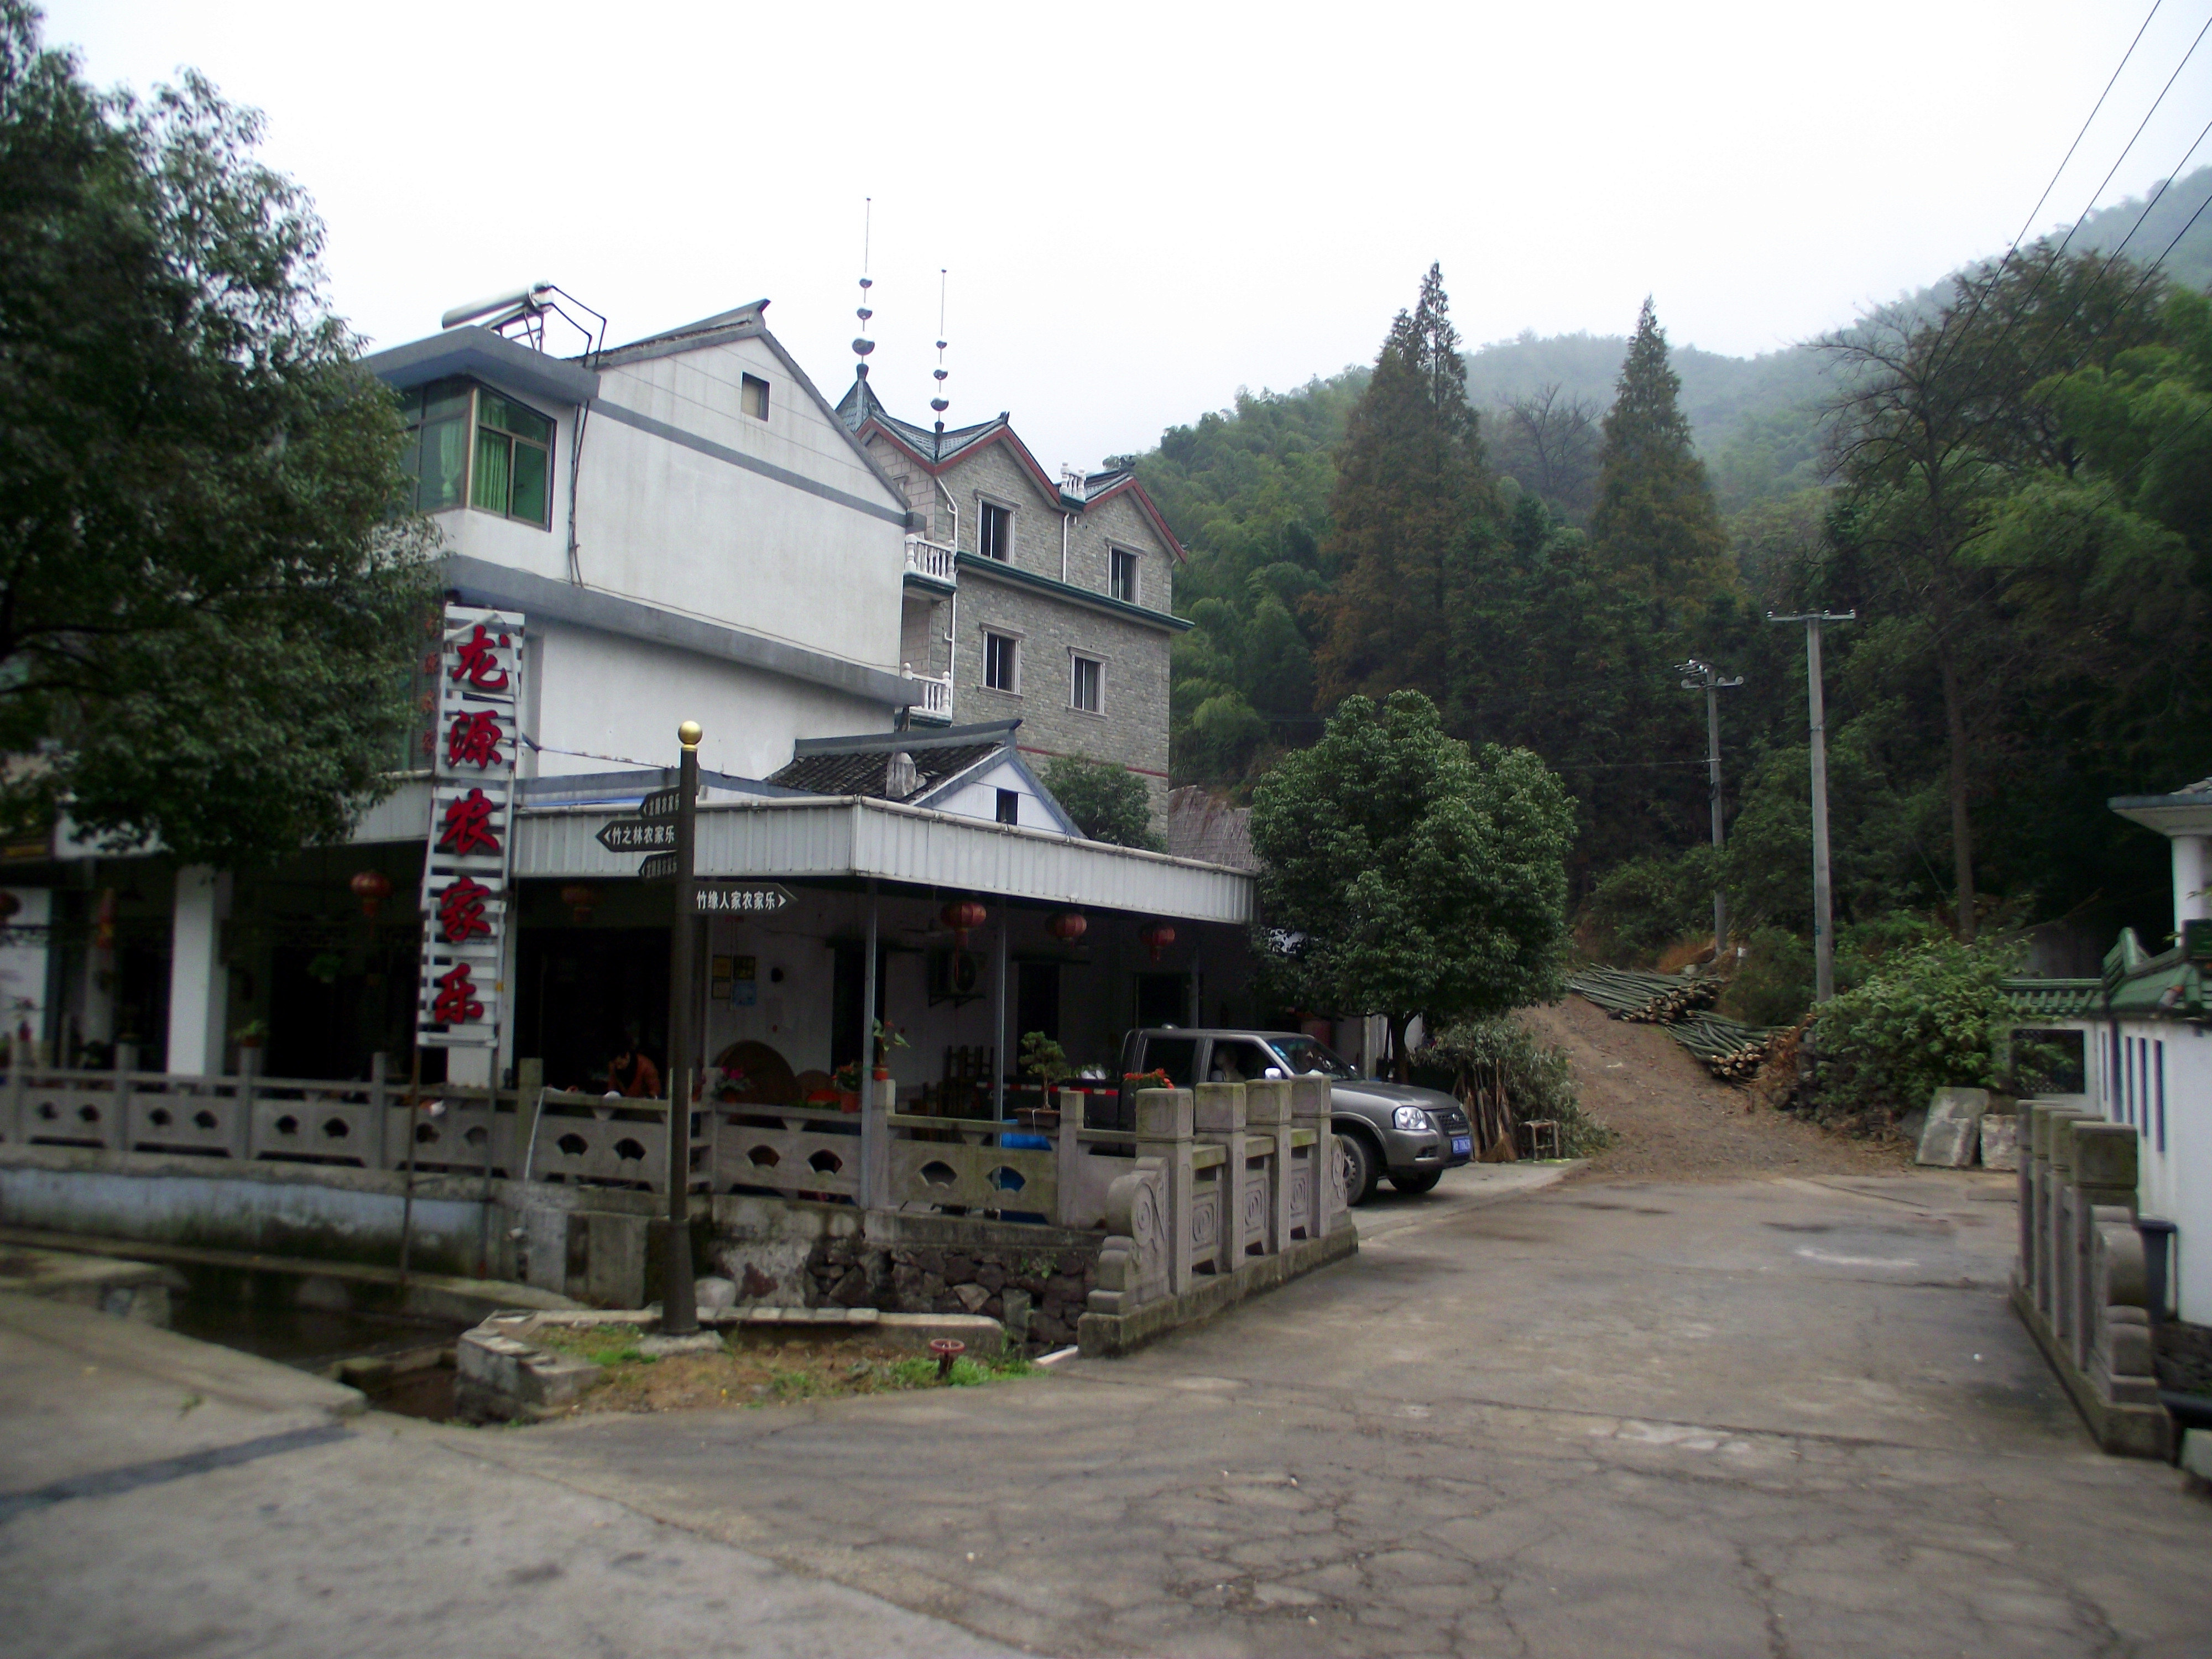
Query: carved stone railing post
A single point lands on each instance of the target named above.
(380, 1102)
(1067, 1154)
(1164, 1131)
(18, 1062)
(2104, 1175)
(2058, 1254)
(1267, 1112)
(1219, 1116)
(249, 1070)
(878, 1102)
(1310, 1101)
(126, 1061)
(2045, 1199)
(2121, 1349)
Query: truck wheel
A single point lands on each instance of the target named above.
(1361, 1168)
(1415, 1185)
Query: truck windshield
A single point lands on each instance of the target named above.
(1301, 1056)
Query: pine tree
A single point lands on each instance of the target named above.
(1411, 487)
(1655, 532)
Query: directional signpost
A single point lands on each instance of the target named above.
(638, 834)
(738, 898)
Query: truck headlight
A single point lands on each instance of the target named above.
(1413, 1120)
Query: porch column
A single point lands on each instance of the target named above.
(868, 1000)
(199, 987)
(1000, 1057)
(2192, 870)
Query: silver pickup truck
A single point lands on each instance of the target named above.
(1413, 1135)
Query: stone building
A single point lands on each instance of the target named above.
(1045, 599)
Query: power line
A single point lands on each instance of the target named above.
(2026, 223)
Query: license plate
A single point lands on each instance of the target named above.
(1462, 1145)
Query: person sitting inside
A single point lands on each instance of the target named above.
(632, 1075)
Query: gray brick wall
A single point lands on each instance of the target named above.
(1131, 728)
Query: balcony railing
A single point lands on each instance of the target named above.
(932, 559)
(936, 698)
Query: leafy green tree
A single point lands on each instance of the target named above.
(1411, 489)
(1655, 530)
(1107, 802)
(206, 609)
(1405, 875)
(1933, 1016)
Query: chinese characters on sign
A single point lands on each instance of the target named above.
(469, 869)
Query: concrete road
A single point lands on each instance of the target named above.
(163, 1497)
(1763, 1418)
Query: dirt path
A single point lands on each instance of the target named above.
(1676, 1123)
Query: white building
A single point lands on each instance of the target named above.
(691, 533)
(2153, 1065)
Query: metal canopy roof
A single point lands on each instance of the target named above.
(849, 836)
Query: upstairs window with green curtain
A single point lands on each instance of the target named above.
(511, 473)
(515, 460)
(436, 459)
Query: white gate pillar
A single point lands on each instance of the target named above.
(199, 987)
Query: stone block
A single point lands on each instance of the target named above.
(1999, 1141)
(1164, 1114)
(1267, 1104)
(971, 1297)
(714, 1291)
(2103, 1154)
(2197, 1454)
(1219, 1108)
(1953, 1130)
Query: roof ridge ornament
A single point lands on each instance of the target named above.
(862, 345)
(940, 403)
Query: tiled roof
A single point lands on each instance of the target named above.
(865, 771)
(2056, 999)
(1201, 826)
(861, 405)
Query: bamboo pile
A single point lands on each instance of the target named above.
(1645, 998)
(1731, 1050)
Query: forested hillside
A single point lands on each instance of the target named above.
(2031, 636)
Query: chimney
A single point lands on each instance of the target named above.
(1071, 480)
(901, 776)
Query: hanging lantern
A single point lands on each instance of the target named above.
(963, 917)
(1157, 937)
(580, 900)
(1068, 927)
(372, 888)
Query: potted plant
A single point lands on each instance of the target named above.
(888, 1037)
(846, 1079)
(249, 1037)
(1047, 1061)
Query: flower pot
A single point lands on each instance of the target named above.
(848, 1100)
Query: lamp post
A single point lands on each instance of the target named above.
(1824, 906)
(680, 1310)
(1708, 678)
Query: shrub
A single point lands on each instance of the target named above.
(1509, 1078)
(1640, 908)
(1772, 985)
(1927, 1017)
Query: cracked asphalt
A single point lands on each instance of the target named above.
(1777, 1417)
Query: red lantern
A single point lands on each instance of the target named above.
(1157, 938)
(963, 916)
(372, 888)
(581, 900)
(1068, 927)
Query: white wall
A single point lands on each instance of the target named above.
(601, 694)
(978, 798)
(2174, 1169)
(669, 526)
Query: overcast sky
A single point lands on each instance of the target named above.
(1144, 208)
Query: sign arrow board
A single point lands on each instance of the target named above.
(726, 898)
(661, 804)
(638, 834)
(658, 867)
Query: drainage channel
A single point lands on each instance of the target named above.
(402, 1365)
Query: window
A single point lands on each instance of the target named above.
(1010, 806)
(1002, 662)
(994, 532)
(1083, 684)
(515, 460)
(436, 459)
(1240, 1060)
(752, 396)
(1124, 577)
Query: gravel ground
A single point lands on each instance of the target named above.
(1674, 1121)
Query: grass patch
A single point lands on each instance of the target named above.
(758, 1373)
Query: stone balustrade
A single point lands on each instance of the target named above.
(2079, 1283)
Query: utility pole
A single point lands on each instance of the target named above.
(679, 1312)
(1708, 679)
(1824, 902)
